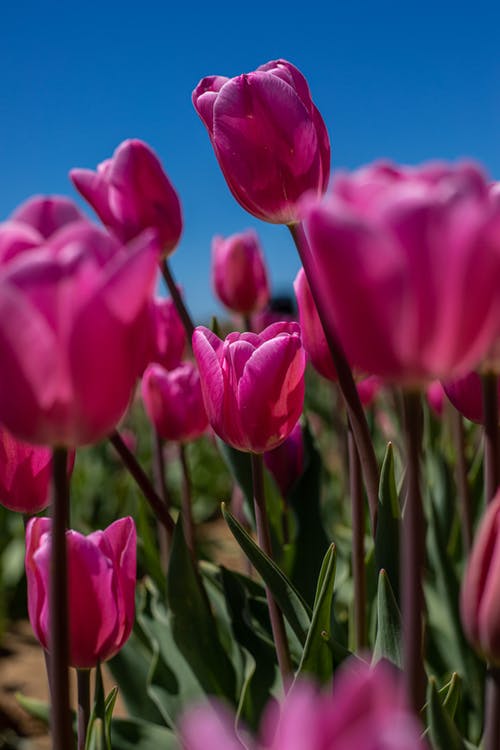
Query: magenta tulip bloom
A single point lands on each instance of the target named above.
(286, 462)
(313, 337)
(366, 711)
(269, 139)
(71, 320)
(168, 334)
(47, 213)
(397, 251)
(25, 474)
(173, 402)
(252, 384)
(131, 192)
(480, 593)
(239, 275)
(101, 588)
(466, 395)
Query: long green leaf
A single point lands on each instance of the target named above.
(388, 639)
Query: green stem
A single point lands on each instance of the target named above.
(347, 385)
(83, 687)
(491, 442)
(62, 732)
(358, 545)
(177, 299)
(413, 557)
(492, 710)
(457, 428)
(264, 539)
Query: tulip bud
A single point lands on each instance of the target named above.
(313, 337)
(130, 192)
(466, 395)
(239, 276)
(269, 139)
(436, 397)
(169, 334)
(480, 592)
(174, 403)
(286, 462)
(101, 588)
(252, 384)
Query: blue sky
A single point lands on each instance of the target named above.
(405, 80)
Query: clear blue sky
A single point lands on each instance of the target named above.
(404, 80)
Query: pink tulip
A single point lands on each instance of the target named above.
(174, 403)
(47, 213)
(397, 251)
(130, 192)
(16, 238)
(168, 333)
(286, 462)
(313, 337)
(252, 384)
(366, 711)
(101, 587)
(71, 319)
(480, 593)
(25, 474)
(269, 139)
(436, 397)
(466, 395)
(368, 388)
(239, 275)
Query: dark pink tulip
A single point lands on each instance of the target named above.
(480, 593)
(397, 251)
(173, 401)
(101, 587)
(466, 395)
(168, 334)
(239, 275)
(131, 192)
(286, 462)
(47, 213)
(313, 337)
(71, 320)
(368, 389)
(269, 139)
(366, 711)
(252, 384)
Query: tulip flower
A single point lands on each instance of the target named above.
(71, 321)
(269, 138)
(396, 252)
(131, 192)
(286, 462)
(252, 384)
(47, 213)
(173, 402)
(101, 575)
(168, 334)
(466, 395)
(313, 337)
(365, 711)
(239, 275)
(15, 238)
(480, 592)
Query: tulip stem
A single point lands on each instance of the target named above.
(157, 505)
(457, 428)
(162, 489)
(83, 687)
(177, 299)
(358, 544)
(492, 709)
(491, 438)
(62, 732)
(186, 501)
(347, 385)
(247, 323)
(264, 539)
(413, 556)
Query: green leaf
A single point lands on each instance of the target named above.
(388, 639)
(38, 709)
(388, 523)
(294, 609)
(311, 542)
(98, 730)
(134, 734)
(442, 729)
(317, 658)
(193, 624)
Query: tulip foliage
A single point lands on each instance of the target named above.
(278, 532)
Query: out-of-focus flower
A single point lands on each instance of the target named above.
(101, 588)
(131, 192)
(47, 213)
(286, 462)
(252, 384)
(396, 252)
(269, 138)
(173, 401)
(313, 337)
(239, 275)
(168, 334)
(466, 395)
(71, 346)
(436, 397)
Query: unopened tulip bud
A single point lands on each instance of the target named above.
(239, 275)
